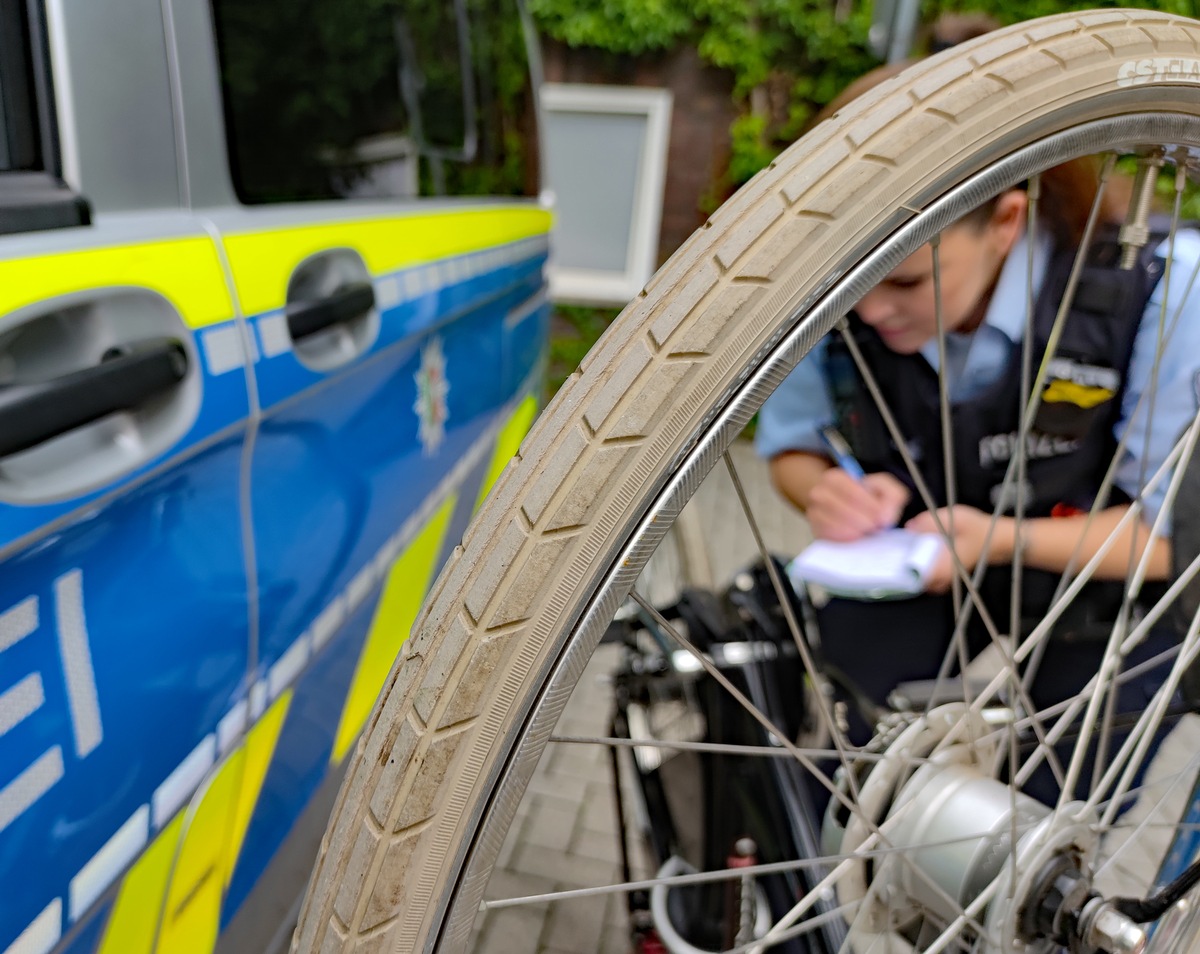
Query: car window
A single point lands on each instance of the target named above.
(32, 196)
(361, 98)
(20, 149)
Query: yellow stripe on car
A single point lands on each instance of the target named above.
(133, 925)
(259, 748)
(191, 915)
(170, 901)
(185, 271)
(263, 261)
(507, 443)
(403, 592)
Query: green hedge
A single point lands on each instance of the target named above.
(788, 58)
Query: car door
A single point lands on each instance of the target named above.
(397, 339)
(123, 419)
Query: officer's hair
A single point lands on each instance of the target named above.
(1065, 201)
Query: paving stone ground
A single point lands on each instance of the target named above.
(564, 835)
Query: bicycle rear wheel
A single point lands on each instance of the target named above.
(557, 549)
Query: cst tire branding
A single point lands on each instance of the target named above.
(1159, 69)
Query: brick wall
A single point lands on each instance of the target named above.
(701, 113)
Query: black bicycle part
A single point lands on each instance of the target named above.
(1155, 906)
(745, 632)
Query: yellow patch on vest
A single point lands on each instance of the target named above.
(1081, 395)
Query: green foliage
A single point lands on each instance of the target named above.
(575, 329)
(1014, 11)
(619, 26)
(751, 151)
(1164, 191)
(788, 58)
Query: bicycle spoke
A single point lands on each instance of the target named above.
(851, 804)
(867, 852)
(1174, 786)
(810, 667)
(1115, 650)
(1067, 577)
(970, 580)
(1032, 398)
(716, 748)
(760, 717)
(1135, 567)
(949, 466)
(1069, 709)
(1016, 463)
(1107, 747)
(1135, 747)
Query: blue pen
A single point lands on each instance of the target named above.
(840, 451)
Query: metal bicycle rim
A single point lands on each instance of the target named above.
(732, 412)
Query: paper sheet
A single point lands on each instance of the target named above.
(893, 562)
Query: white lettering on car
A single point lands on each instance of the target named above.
(24, 699)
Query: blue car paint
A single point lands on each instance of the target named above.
(224, 406)
(301, 758)
(168, 660)
(347, 455)
(336, 468)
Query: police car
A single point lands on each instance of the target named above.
(264, 346)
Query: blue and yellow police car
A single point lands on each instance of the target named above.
(272, 319)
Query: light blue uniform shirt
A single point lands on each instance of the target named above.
(791, 416)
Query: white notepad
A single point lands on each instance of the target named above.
(886, 564)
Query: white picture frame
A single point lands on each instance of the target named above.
(606, 158)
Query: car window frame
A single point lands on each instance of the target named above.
(33, 196)
(413, 138)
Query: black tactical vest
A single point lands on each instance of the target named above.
(1071, 442)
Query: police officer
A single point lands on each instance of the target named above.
(1104, 365)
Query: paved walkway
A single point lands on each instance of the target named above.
(564, 835)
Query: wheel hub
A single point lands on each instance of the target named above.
(965, 842)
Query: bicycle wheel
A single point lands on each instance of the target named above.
(556, 551)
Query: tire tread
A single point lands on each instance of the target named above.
(717, 300)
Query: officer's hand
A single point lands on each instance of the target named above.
(842, 508)
(969, 530)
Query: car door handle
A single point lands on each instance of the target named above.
(306, 318)
(125, 378)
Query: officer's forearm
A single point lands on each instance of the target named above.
(1051, 543)
(795, 472)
